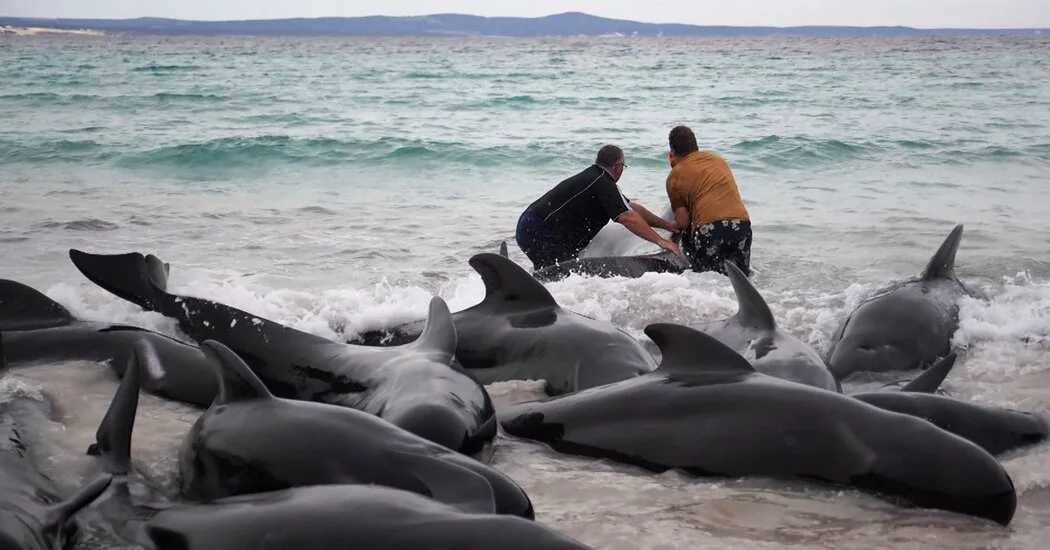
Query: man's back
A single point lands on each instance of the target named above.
(579, 206)
(704, 184)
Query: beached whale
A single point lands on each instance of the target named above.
(905, 326)
(519, 332)
(418, 386)
(250, 441)
(706, 411)
(36, 329)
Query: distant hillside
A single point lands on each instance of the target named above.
(563, 24)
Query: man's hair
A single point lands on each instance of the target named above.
(682, 140)
(608, 156)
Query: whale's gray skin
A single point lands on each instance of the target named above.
(706, 411)
(250, 441)
(905, 326)
(614, 266)
(418, 386)
(32, 514)
(519, 332)
(37, 329)
(340, 517)
(996, 430)
(753, 333)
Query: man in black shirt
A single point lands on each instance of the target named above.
(558, 225)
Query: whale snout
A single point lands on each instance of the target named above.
(933, 468)
(435, 422)
(854, 355)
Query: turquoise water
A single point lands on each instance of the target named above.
(334, 185)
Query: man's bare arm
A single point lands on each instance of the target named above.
(652, 219)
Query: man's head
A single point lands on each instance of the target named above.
(682, 142)
(611, 158)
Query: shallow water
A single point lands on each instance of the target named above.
(336, 185)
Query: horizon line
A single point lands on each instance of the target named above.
(434, 14)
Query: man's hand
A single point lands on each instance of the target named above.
(668, 245)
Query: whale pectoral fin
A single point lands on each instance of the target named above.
(125, 275)
(56, 516)
(503, 249)
(25, 308)
(448, 482)
(687, 350)
(113, 437)
(930, 379)
(942, 264)
(752, 309)
(507, 284)
(237, 381)
(439, 334)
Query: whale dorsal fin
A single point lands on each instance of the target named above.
(503, 249)
(113, 437)
(23, 308)
(752, 309)
(930, 379)
(237, 382)
(56, 516)
(507, 284)
(686, 350)
(448, 482)
(158, 271)
(942, 264)
(440, 332)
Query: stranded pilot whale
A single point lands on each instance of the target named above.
(519, 332)
(753, 333)
(706, 411)
(614, 266)
(339, 517)
(417, 386)
(904, 326)
(37, 329)
(994, 429)
(32, 515)
(361, 516)
(250, 441)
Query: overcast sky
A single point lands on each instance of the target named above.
(913, 13)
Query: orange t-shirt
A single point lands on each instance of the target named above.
(703, 183)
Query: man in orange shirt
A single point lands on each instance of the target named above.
(707, 206)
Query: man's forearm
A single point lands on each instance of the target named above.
(638, 225)
(652, 219)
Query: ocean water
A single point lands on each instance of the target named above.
(335, 185)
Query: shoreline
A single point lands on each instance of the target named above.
(35, 31)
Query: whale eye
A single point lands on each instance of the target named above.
(865, 348)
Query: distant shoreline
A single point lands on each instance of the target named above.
(34, 31)
(570, 24)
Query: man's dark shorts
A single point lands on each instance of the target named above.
(541, 246)
(710, 245)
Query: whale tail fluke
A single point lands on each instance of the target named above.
(129, 276)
